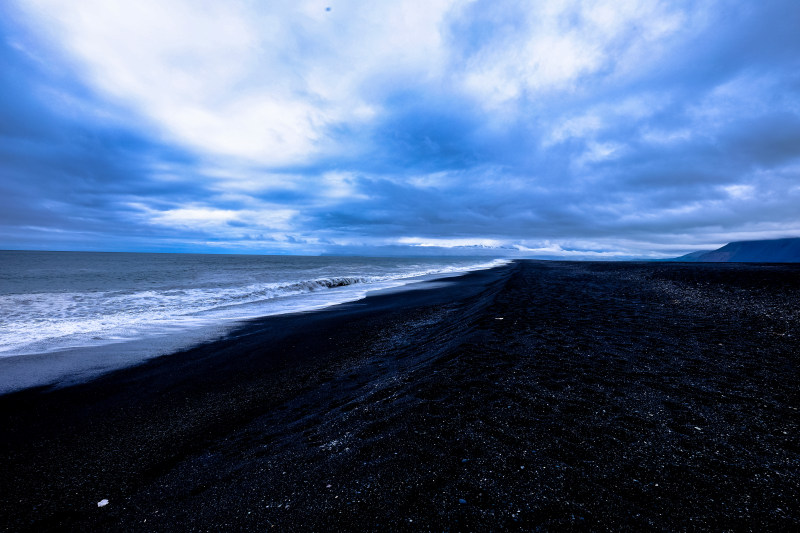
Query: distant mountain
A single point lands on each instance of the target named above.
(772, 251)
(692, 256)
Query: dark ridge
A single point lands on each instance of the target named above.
(691, 256)
(767, 251)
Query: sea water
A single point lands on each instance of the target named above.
(57, 301)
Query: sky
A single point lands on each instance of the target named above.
(597, 129)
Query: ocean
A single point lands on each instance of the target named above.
(57, 301)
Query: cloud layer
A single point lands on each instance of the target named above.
(595, 129)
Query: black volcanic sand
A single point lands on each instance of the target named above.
(541, 395)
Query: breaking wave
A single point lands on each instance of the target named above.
(37, 322)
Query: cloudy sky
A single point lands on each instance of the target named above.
(551, 128)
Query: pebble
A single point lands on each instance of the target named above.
(102, 503)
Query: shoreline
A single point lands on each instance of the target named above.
(78, 364)
(533, 395)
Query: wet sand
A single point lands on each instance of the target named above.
(541, 395)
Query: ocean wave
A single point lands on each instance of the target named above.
(37, 322)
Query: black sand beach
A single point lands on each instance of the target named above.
(541, 395)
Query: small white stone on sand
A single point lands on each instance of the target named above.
(102, 503)
(697, 428)
(499, 318)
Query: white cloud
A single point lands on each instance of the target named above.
(565, 40)
(556, 250)
(193, 217)
(663, 136)
(219, 222)
(580, 126)
(740, 97)
(258, 81)
(449, 243)
(599, 151)
(267, 82)
(739, 192)
(340, 185)
(591, 122)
